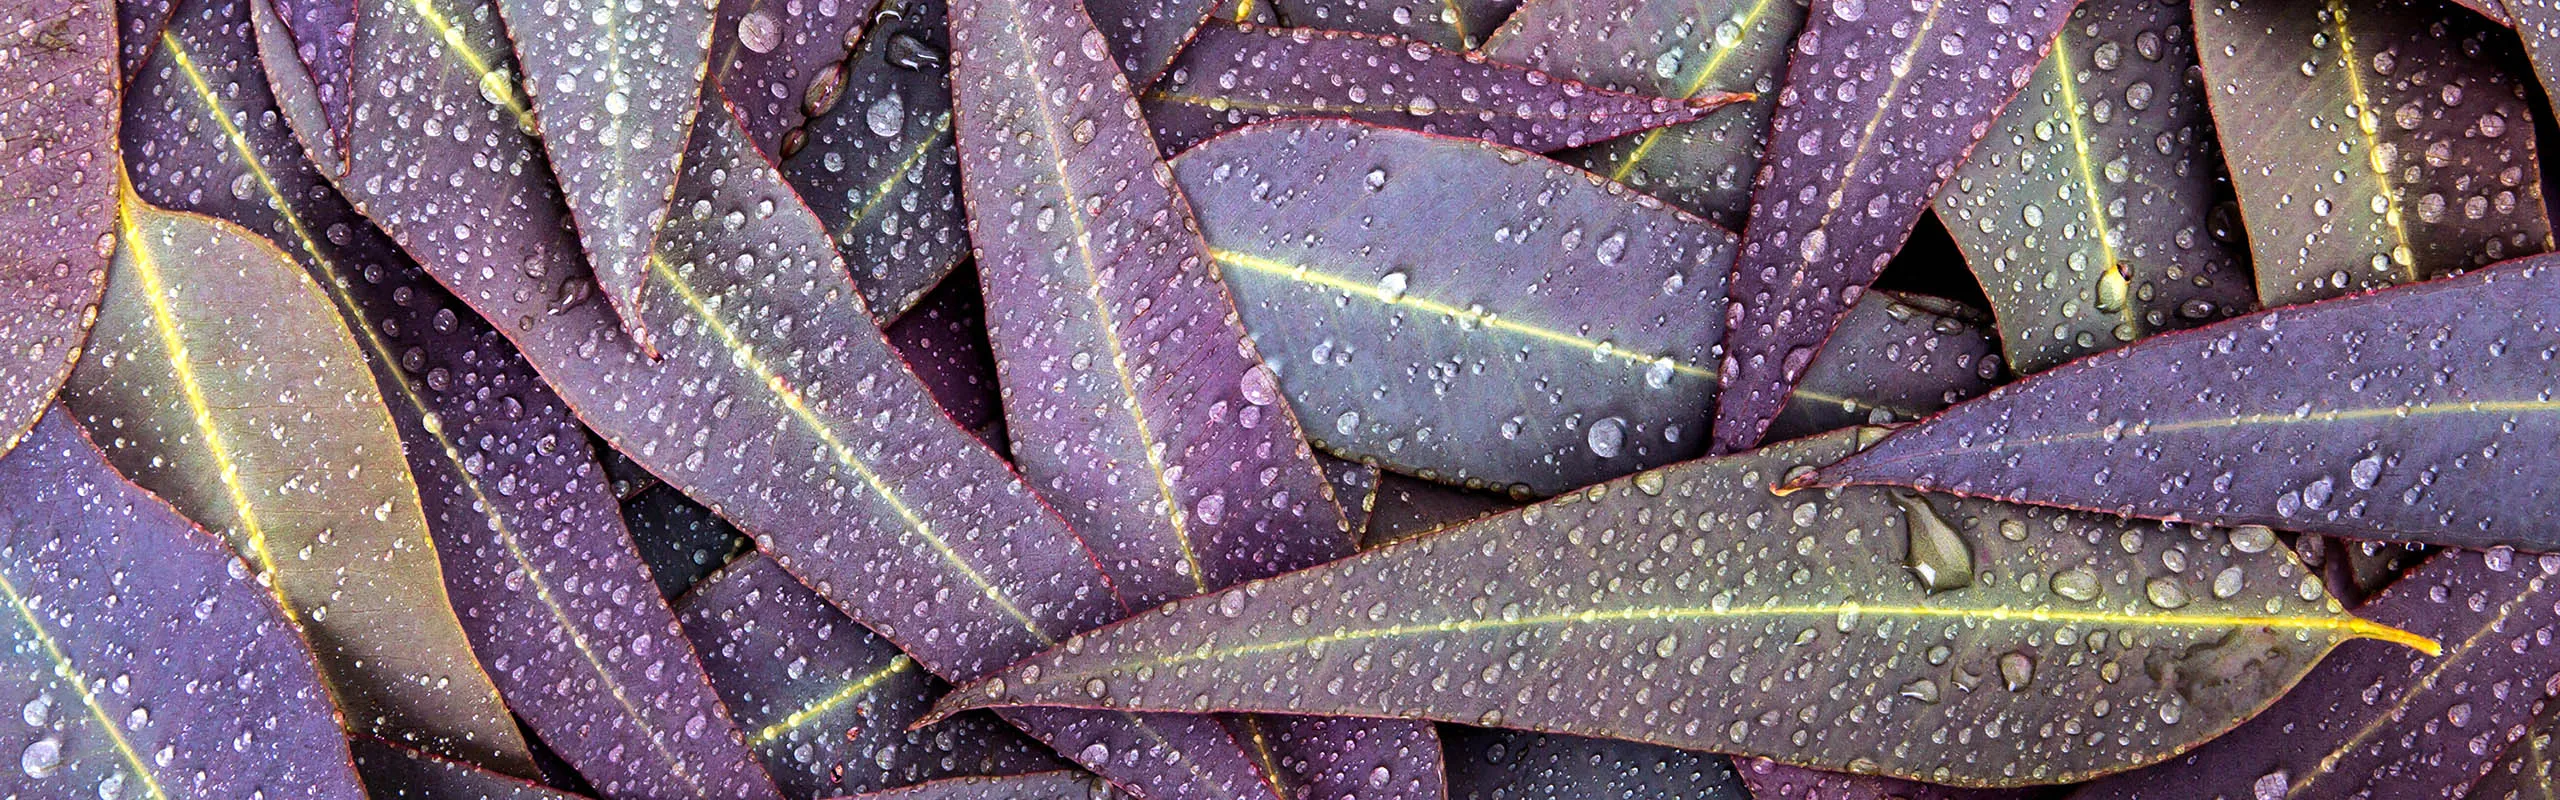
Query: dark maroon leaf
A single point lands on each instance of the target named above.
(140, 657)
(297, 91)
(825, 703)
(57, 214)
(626, 476)
(1236, 75)
(2391, 415)
(1148, 34)
(539, 568)
(1895, 358)
(1410, 507)
(614, 84)
(392, 772)
(877, 165)
(944, 339)
(1882, 100)
(1448, 24)
(1056, 785)
(2495, 10)
(1670, 48)
(2084, 213)
(2372, 143)
(138, 25)
(681, 541)
(783, 61)
(1520, 765)
(1134, 401)
(1770, 780)
(1355, 488)
(1874, 630)
(2525, 771)
(1463, 311)
(2385, 721)
(322, 34)
(777, 401)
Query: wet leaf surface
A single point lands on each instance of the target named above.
(1870, 630)
(57, 212)
(2382, 416)
(1667, 48)
(1448, 24)
(2387, 721)
(681, 541)
(1236, 75)
(877, 164)
(773, 383)
(614, 86)
(2085, 213)
(142, 659)
(2525, 771)
(944, 339)
(221, 378)
(782, 62)
(321, 34)
(1770, 780)
(1135, 403)
(1410, 507)
(1520, 765)
(1146, 35)
(392, 772)
(2372, 144)
(1435, 305)
(1882, 99)
(542, 574)
(137, 24)
(1895, 358)
(1355, 488)
(824, 702)
(1057, 785)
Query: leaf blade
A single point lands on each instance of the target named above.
(59, 222)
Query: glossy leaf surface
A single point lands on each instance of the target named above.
(2526, 770)
(322, 32)
(681, 541)
(2085, 213)
(1236, 75)
(1056, 785)
(877, 166)
(1453, 309)
(542, 574)
(2384, 416)
(1667, 48)
(1448, 24)
(221, 378)
(944, 339)
(1355, 488)
(825, 703)
(1410, 507)
(1146, 35)
(2372, 143)
(1868, 630)
(57, 224)
(773, 383)
(782, 62)
(1895, 358)
(1770, 780)
(142, 659)
(614, 85)
(392, 772)
(1881, 100)
(2383, 721)
(1521, 765)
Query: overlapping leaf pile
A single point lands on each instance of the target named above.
(1340, 399)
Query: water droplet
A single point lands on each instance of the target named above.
(1935, 553)
(2252, 538)
(2165, 592)
(1606, 436)
(886, 114)
(1391, 286)
(2017, 670)
(2077, 583)
(42, 758)
(759, 32)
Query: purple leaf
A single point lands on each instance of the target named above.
(2382, 721)
(1669, 48)
(2391, 416)
(774, 383)
(1355, 488)
(392, 772)
(1447, 24)
(1055, 785)
(783, 61)
(540, 570)
(1519, 765)
(1409, 286)
(2085, 213)
(2525, 770)
(58, 220)
(1882, 100)
(2372, 144)
(1410, 507)
(825, 703)
(1135, 403)
(1148, 34)
(221, 378)
(944, 339)
(614, 85)
(878, 168)
(107, 587)
(1895, 358)
(322, 35)
(138, 24)
(681, 541)
(1863, 629)
(1770, 780)
(1236, 75)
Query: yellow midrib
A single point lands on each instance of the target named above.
(2348, 626)
(1129, 397)
(2391, 714)
(66, 672)
(2069, 110)
(451, 34)
(2322, 417)
(1713, 69)
(880, 192)
(368, 332)
(2360, 101)
(857, 688)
